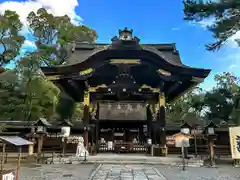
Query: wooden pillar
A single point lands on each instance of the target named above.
(86, 116)
(2, 159)
(31, 146)
(30, 149)
(19, 162)
(161, 119)
(211, 148)
(97, 126)
(40, 144)
(149, 122)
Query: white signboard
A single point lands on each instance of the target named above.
(110, 144)
(8, 176)
(182, 143)
(234, 135)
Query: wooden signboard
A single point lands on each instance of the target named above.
(170, 140)
(181, 140)
(234, 135)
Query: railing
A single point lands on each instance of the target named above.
(123, 147)
(103, 147)
(138, 148)
(220, 150)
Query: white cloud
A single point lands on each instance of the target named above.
(28, 43)
(28, 46)
(24, 7)
(234, 63)
(56, 7)
(206, 22)
(231, 42)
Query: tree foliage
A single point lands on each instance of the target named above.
(10, 40)
(56, 35)
(30, 95)
(190, 102)
(221, 99)
(25, 93)
(217, 104)
(225, 14)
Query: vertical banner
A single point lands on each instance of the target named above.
(234, 135)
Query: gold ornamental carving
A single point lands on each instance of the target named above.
(86, 72)
(164, 72)
(154, 90)
(125, 61)
(86, 98)
(52, 78)
(94, 89)
(162, 99)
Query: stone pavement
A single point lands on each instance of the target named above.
(127, 172)
(57, 172)
(221, 173)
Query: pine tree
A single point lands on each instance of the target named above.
(226, 15)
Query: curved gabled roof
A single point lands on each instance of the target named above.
(86, 56)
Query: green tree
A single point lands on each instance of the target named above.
(11, 103)
(225, 14)
(10, 40)
(220, 100)
(190, 102)
(26, 94)
(56, 36)
(78, 112)
(40, 95)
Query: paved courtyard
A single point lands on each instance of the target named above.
(126, 172)
(57, 172)
(203, 173)
(147, 172)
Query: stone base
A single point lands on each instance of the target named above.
(65, 160)
(125, 159)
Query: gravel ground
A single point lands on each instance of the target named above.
(203, 173)
(57, 172)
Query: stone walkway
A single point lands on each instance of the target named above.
(127, 172)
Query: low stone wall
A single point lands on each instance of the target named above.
(65, 160)
(114, 159)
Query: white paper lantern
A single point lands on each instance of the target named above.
(210, 130)
(149, 141)
(65, 131)
(41, 129)
(185, 130)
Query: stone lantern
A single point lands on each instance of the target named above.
(185, 129)
(65, 133)
(210, 135)
(41, 126)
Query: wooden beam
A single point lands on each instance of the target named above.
(52, 78)
(173, 87)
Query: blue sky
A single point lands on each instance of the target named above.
(153, 22)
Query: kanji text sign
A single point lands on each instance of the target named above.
(234, 135)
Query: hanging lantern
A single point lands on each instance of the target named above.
(65, 131)
(41, 129)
